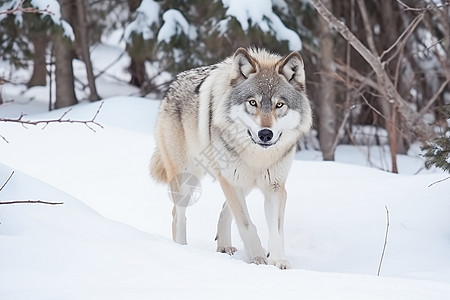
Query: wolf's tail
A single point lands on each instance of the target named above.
(157, 169)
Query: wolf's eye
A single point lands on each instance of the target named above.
(279, 105)
(252, 102)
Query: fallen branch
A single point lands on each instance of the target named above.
(24, 201)
(441, 180)
(30, 202)
(385, 240)
(7, 180)
(59, 120)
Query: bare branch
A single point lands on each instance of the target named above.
(416, 124)
(402, 38)
(61, 119)
(32, 10)
(24, 201)
(30, 202)
(385, 240)
(7, 180)
(439, 181)
(4, 139)
(406, 7)
(355, 75)
(428, 7)
(340, 130)
(366, 21)
(434, 98)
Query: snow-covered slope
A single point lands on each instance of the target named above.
(111, 237)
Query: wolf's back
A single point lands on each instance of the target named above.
(179, 109)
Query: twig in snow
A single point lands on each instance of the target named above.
(31, 202)
(385, 240)
(439, 181)
(7, 180)
(25, 201)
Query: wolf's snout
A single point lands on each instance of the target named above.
(265, 135)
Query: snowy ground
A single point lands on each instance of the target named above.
(111, 237)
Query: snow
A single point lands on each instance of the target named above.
(111, 237)
(147, 14)
(55, 9)
(51, 6)
(7, 5)
(263, 16)
(174, 24)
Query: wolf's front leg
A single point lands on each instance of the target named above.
(235, 198)
(275, 203)
(223, 236)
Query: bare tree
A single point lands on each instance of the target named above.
(392, 100)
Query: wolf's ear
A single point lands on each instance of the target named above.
(243, 64)
(292, 68)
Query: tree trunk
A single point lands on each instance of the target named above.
(1, 83)
(39, 76)
(390, 20)
(138, 73)
(327, 98)
(137, 66)
(84, 44)
(387, 89)
(65, 88)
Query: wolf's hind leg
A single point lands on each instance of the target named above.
(179, 225)
(223, 236)
(181, 194)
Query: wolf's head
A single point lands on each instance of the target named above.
(268, 96)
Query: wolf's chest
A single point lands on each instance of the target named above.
(239, 173)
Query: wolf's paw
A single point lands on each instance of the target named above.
(259, 260)
(230, 250)
(281, 264)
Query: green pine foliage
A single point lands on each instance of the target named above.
(437, 152)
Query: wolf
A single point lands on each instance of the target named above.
(239, 120)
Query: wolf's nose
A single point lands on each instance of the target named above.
(265, 135)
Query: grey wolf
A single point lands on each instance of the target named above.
(240, 121)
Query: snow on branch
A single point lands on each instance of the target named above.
(174, 24)
(262, 15)
(19, 8)
(45, 7)
(145, 17)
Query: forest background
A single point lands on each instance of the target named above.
(378, 71)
